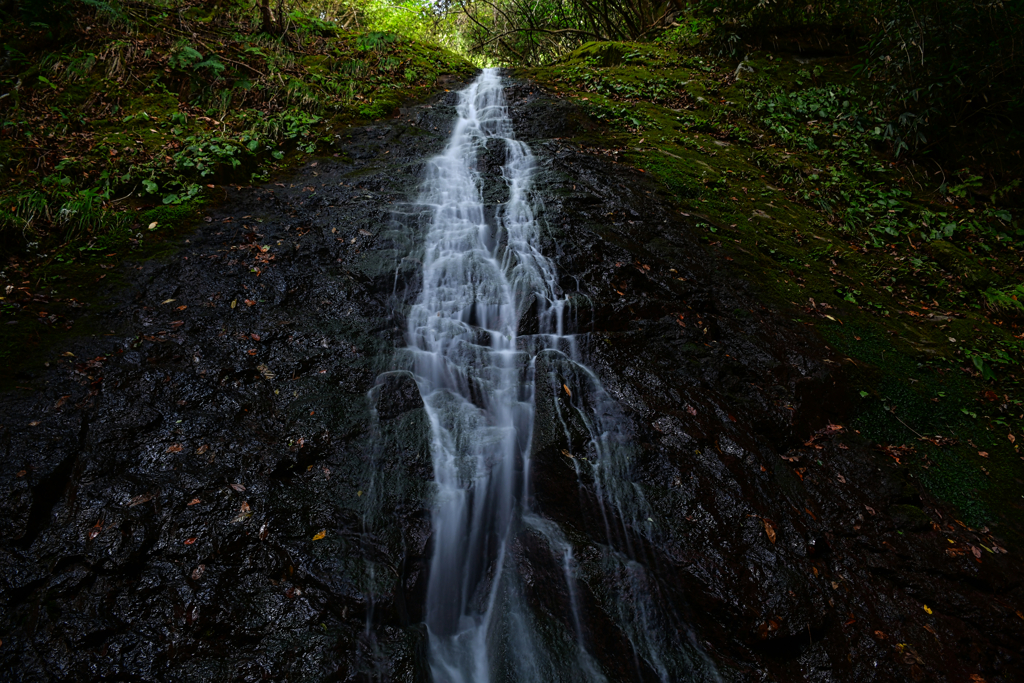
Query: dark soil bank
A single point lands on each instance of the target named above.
(228, 487)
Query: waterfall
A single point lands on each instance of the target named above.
(483, 270)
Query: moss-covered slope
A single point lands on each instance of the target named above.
(910, 273)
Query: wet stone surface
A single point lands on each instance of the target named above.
(235, 485)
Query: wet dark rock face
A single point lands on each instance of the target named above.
(235, 484)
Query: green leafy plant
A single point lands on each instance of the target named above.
(184, 56)
(1009, 299)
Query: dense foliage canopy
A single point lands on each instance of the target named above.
(948, 62)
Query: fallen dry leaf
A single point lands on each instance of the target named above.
(198, 572)
(243, 514)
(168, 301)
(139, 500)
(250, 302)
(190, 541)
(567, 390)
(320, 535)
(769, 529)
(927, 609)
(34, 424)
(202, 449)
(174, 448)
(237, 487)
(194, 501)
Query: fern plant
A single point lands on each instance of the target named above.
(110, 12)
(184, 56)
(1006, 299)
(215, 66)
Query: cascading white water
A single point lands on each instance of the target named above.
(463, 334)
(477, 386)
(483, 268)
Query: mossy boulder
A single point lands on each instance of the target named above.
(598, 54)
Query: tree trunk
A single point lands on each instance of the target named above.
(282, 21)
(266, 18)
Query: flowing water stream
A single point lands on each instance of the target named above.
(478, 388)
(483, 273)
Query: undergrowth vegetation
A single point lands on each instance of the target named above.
(908, 269)
(118, 107)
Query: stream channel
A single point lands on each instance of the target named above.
(468, 402)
